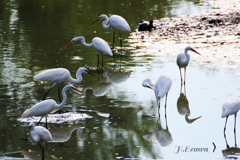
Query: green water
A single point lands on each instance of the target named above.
(122, 120)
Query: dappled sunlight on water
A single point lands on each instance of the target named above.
(116, 117)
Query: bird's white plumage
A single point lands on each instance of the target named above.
(39, 134)
(47, 106)
(161, 87)
(119, 23)
(53, 75)
(41, 108)
(183, 60)
(59, 75)
(100, 45)
(230, 107)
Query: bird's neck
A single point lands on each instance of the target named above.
(63, 101)
(73, 80)
(150, 83)
(187, 55)
(82, 39)
(104, 23)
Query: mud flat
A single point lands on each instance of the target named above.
(215, 34)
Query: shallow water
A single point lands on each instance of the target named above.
(116, 117)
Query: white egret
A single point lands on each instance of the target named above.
(100, 45)
(183, 59)
(39, 135)
(229, 108)
(116, 22)
(58, 75)
(47, 106)
(161, 88)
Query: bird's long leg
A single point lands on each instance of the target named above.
(47, 93)
(39, 121)
(42, 149)
(59, 95)
(120, 38)
(102, 61)
(180, 74)
(159, 108)
(185, 75)
(98, 61)
(235, 116)
(113, 39)
(185, 89)
(225, 133)
(166, 109)
(181, 88)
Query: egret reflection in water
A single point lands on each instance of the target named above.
(161, 135)
(62, 133)
(83, 135)
(183, 108)
(110, 78)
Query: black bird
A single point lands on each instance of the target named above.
(145, 26)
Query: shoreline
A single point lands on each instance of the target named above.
(215, 34)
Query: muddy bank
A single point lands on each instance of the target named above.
(215, 34)
(202, 28)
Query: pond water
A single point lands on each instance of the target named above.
(116, 118)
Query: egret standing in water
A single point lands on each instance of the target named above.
(116, 22)
(58, 75)
(40, 135)
(161, 88)
(47, 106)
(183, 59)
(230, 107)
(100, 45)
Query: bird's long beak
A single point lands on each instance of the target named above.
(95, 21)
(68, 44)
(149, 86)
(91, 74)
(77, 89)
(195, 51)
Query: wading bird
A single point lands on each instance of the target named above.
(58, 75)
(183, 59)
(161, 88)
(116, 22)
(100, 45)
(229, 108)
(39, 135)
(47, 106)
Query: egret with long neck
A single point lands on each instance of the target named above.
(115, 22)
(161, 89)
(100, 45)
(47, 106)
(59, 75)
(183, 60)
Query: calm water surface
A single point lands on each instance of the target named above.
(120, 116)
